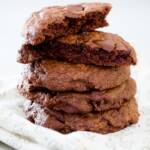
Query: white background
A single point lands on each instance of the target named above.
(128, 18)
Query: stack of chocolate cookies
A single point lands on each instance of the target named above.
(77, 78)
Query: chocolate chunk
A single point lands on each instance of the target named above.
(108, 45)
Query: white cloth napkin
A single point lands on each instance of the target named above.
(19, 133)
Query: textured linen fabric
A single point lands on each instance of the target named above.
(19, 133)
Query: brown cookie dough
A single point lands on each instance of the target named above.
(52, 22)
(62, 76)
(97, 48)
(103, 122)
(73, 102)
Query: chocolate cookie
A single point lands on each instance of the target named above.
(97, 48)
(103, 122)
(73, 102)
(52, 22)
(62, 76)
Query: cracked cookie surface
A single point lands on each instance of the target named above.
(53, 22)
(96, 48)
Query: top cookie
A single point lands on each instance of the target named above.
(52, 22)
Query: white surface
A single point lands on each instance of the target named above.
(128, 18)
(5, 147)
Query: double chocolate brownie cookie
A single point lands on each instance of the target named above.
(52, 22)
(97, 48)
(73, 102)
(103, 122)
(62, 76)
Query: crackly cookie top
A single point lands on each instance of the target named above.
(97, 39)
(101, 40)
(51, 22)
(95, 47)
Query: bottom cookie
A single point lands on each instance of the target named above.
(103, 122)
